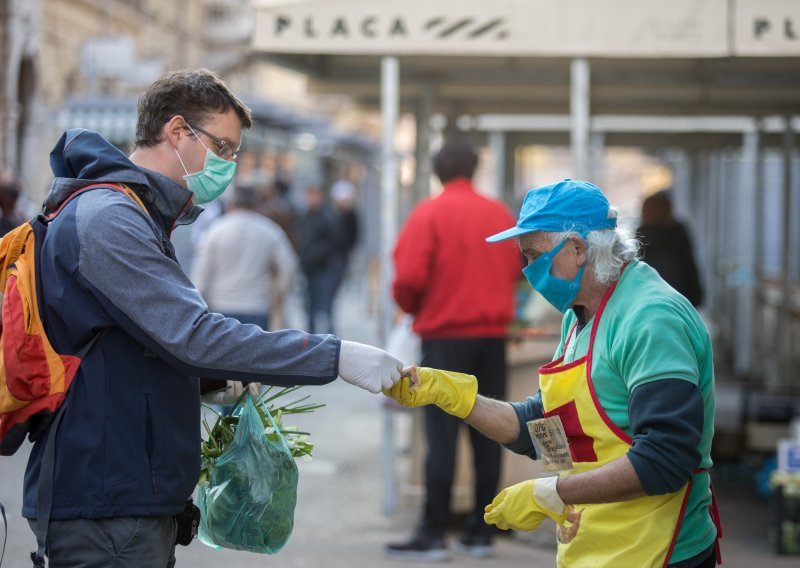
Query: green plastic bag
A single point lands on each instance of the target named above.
(249, 501)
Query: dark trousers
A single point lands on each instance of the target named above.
(706, 559)
(122, 542)
(486, 359)
(320, 293)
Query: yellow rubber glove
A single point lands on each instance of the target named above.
(455, 393)
(525, 505)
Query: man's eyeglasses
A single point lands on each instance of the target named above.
(225, 149)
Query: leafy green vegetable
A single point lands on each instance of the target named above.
(221, 434)
(247, 490)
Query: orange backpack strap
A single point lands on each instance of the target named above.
(121, 187)
(11, 247)
(126, 189)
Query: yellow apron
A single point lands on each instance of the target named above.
(639, 533)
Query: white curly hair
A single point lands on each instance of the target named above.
(607, 250)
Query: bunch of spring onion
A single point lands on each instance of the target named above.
(221, 434)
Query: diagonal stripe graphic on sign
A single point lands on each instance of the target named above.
(433, 22)
(455, 27)
(485, 28)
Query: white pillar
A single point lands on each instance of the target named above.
(597, 146)
(390, 103)
(579, 110)
(422, 153)
(497, 144)
(682, 207)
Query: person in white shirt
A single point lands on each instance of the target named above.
(244, 266)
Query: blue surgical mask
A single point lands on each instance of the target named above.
(212, 181)
(559, 292)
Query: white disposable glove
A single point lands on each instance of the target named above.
(231, 393)
(368, 367)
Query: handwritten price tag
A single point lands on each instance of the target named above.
(551, 443)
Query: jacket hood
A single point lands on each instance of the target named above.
(82, 157)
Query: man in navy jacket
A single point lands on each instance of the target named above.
(127, 448)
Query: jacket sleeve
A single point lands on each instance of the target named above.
(667, 424)
(413, 260)
(148, 295)
(526, 411)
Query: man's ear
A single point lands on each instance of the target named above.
(173, 129)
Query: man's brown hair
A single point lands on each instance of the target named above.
(193, 94)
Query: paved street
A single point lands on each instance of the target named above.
(339, 520)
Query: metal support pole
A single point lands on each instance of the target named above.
(727, 187)
(784, 328)
(597, 146)
(422, 154)
(390, 103)
(681, 191)
(715, 236)
(497, 143)
(510, 171)
(758, 343)
(744, 275)
(579, 110)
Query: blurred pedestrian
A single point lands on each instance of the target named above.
(460, 291)
(343, 196)
(128, 441)
(245, 265)
(274, 205)
(666, 246)
(318, 238)
(12, 216)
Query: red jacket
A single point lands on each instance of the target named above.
(454, 282)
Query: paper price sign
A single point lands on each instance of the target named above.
(551, 443)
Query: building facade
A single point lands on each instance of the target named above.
(57, 50)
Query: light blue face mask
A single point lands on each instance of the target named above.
(212, 181)
(559, 292)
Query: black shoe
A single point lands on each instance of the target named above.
(420, 547)
(477, 545)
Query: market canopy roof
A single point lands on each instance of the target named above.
(682, 57)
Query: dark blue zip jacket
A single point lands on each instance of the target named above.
(129, 440)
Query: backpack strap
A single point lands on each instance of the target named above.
(45, 491)
(47, 468)
(121, 187)
(162, 237)
(40, 222)
(5, 532)
(46, 474)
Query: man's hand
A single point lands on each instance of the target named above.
(454, 393)
(525, 505)
(231, 393)
(368, 367)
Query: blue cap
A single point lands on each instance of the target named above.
(568, 205)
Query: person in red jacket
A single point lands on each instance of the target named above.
(460, 291)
